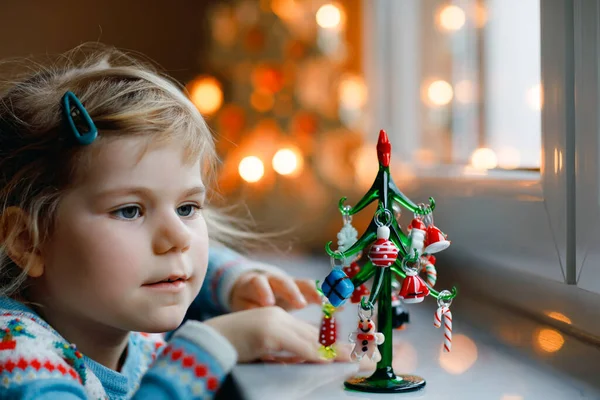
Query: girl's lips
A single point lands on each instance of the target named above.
(168, 286)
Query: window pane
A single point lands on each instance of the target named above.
(512, 82)
(478, 62)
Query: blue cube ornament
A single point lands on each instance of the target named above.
(337, 287)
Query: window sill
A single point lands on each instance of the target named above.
(554, 323)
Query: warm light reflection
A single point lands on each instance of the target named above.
(511, 397)
(353, 92)
(439, 93)
(560, 160)
(464, 91)
(557, 160)
(484, 158)
(509, 158)
(549, 340)
(461, 358)
(535, 97)
(481, 15)
(251, 169)
(558, 316)
(206, 94)
(406, 357)
(287, 161)
(469, 170)
(328, 16)
(284, 9)
(366, 165)
(452, 18)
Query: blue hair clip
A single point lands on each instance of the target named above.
(84, 138)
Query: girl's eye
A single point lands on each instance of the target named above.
(187, 210)
(129, 212)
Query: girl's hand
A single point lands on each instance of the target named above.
(270, 333)
(261, 289)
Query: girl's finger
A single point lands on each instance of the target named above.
(308, 331)
(286, 288)
(343, 351)
(240, 304)
(258, 290)
(305, 349)
(309, 290)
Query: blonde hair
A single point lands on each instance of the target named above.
(124, 95)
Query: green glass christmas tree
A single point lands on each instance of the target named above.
(391, 252)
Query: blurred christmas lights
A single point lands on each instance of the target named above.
(251, 169)
(206, 94)
(484, 159)
(439, 93)
(329, 16)
(452, 18)
(287, 161)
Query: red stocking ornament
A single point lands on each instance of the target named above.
(413, 289)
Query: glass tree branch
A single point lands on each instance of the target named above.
(359, 245)
(404, 201)
(399, 238)
(377, 282)
(367, 199)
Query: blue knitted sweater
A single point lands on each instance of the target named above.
(36, 362)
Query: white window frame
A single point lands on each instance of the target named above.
(507, 223)
(587, 144)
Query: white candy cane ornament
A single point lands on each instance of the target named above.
(443, 311)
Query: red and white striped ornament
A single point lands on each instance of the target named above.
(430, 271)
(383, 252)
(444, 312)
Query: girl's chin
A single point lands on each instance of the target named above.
(165, 324)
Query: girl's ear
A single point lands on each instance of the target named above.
(17, 240)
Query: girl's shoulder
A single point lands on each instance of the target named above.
(30, 351)
(22, 331)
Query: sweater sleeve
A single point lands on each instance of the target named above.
(224, 267)
(192, 366)
(31, 366)
(35, 366)
(47, 389)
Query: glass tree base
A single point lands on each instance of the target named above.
(372, 384)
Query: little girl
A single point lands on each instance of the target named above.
(104, 233)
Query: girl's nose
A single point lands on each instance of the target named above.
(172, 235)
